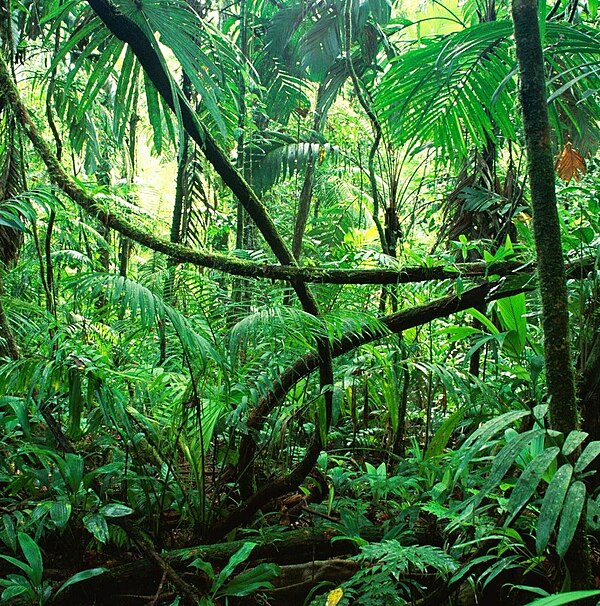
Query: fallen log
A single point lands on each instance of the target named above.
(131, 583)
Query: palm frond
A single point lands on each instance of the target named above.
(196, 45)
(286, 326)
(349, 323)
(98, 62)
(198, 210)
(285, 93)
(199, 293)
(443, 92)
(277, 157)
(23, 207)
(458, 91)
(139, 303)
(573, 60)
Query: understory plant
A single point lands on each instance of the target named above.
(30, 587)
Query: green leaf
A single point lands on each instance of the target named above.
(7, 220)
(81, 576)
(24, 567)
(593, 515)
(457, 333)
(590, 452)
(15, 590)
(512, 312)
(34, 557)
(574, 439)
(468, 567)
(552, 506)
(115, 510)
(528, 482)
(249, 581)
(571, 512)
(481, 437)
(73, 470)
(154, 110)
(564, 598)
(97, 525)
(75, 403)
(60, 512)
(444, 90)
(501, 565)
(503, 461)
(8, 534)
(442, 435)
(205, 567)
(237, 558)
(484, 320)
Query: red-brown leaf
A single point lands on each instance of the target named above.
(570, 164)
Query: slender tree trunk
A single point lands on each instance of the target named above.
(308, 184)
(8, 343)
(560, 378)
(125, 244)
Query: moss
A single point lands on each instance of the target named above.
(560, 377)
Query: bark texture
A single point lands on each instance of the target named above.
(551, 268)
(560, 377)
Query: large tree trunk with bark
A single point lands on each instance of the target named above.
(560, 378)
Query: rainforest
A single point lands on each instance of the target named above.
(299, 302)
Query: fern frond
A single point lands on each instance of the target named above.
(399, 559)
(130, 297)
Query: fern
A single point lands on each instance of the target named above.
(399, 559)
(386, 571)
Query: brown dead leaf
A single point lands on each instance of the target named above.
(570, 164)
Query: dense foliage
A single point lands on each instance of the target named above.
(270, 326)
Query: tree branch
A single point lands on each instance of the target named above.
(305, 365)
(237, 267)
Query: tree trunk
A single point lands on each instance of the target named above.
(8, 344)
(560, 377)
